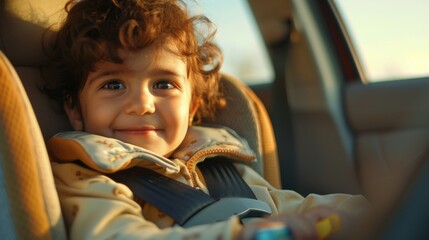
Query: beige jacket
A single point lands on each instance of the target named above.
(96, 207)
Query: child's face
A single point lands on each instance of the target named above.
(145, 101)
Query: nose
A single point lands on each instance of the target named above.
(141, 102)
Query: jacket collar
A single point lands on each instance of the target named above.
(109, 155)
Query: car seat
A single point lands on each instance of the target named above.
(30, 206)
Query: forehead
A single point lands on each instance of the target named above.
(156, 55)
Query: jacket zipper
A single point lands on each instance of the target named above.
(196, 158)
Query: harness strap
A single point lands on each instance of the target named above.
(229, 193)
(223, 180)
(172, 197)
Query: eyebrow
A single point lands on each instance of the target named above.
(103, 74)
(167, 71)
(156, 70)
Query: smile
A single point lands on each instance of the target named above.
(138, 131)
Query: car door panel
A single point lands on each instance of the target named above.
(391, 124)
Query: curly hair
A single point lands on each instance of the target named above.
(95, 30)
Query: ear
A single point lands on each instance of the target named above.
(74, 115)
(193, 109)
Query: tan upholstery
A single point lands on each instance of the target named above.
(31, 200)
(23, 24)
(246, 114)
(30, 208)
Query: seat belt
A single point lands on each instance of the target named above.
(223, 180)
(229, 194)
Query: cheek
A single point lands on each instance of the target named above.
(97, 116)
(177, 116)
(178, 111)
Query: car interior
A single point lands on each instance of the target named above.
(318, 126)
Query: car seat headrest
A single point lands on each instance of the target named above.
(22, 24)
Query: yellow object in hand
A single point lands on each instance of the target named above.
(327, 226)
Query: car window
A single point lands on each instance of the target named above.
(390, 38)
(245, 55)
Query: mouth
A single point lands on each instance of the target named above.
(138, 131)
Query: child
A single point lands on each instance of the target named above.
(137, 77)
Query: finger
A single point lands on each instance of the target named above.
(320, 212)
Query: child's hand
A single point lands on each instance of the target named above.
(317, 223)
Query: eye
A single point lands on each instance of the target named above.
(113, 85)
(164, 84)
